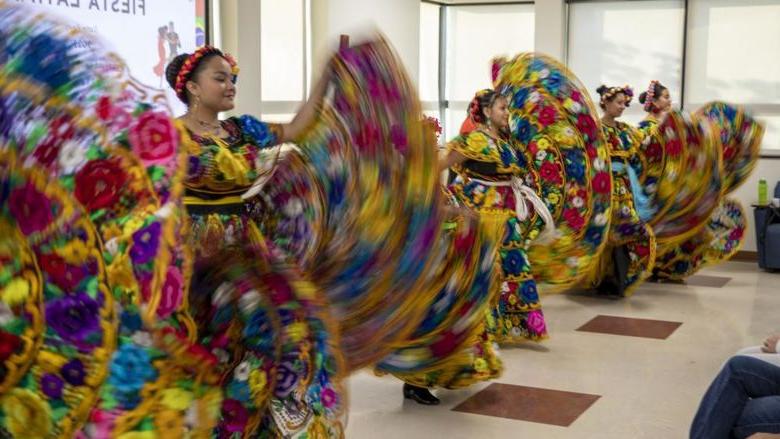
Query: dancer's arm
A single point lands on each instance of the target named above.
(451, 159)
(308, 112)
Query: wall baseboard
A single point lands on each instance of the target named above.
(745, 256)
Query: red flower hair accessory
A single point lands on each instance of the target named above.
(192, 62)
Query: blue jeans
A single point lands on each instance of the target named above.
(742, 400)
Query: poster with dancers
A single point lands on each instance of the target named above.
(147, 34)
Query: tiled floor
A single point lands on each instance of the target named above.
(646, 387)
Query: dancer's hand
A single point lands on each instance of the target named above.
(770, 344)
(456, 211)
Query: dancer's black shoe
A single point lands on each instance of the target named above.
(421, 395)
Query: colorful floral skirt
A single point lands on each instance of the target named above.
(518, 313)
(266, 325)
(630, 233)
(453, 345)
(717, 242)
(480, 361)
(517, 310)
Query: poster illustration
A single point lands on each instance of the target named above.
(147, 34)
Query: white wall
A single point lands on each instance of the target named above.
(399, 20)
(768, 169)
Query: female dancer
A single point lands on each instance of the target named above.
(492, 170)
(500, 189)
(631, 252)
(723, 233)
(656, 101)
(551, 118)
(223, 164)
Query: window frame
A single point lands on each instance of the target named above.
(443, 104)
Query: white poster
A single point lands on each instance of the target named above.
(147, 34)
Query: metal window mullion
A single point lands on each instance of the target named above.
(260, 58)
(567, 30)
(443, 67)
(684, 55)
(306, 47)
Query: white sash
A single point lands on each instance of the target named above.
(524, 193)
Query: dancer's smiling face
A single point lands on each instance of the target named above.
(213, 85)
(615, 106)
(663, 102)
(498, 113)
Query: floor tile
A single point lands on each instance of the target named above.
(703, 280)
(632, 327)
(544, 406)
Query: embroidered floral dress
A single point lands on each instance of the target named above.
(627, 231)
(218, 173)
(518, 311)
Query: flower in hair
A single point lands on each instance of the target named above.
(612, 91)
(433, 123)
(650, 95)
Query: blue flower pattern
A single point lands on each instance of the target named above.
(257, 132)
(130, 369)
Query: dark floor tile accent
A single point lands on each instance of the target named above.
(702, 280)
(658, 329)
(544, 406)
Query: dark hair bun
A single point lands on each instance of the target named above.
(475, 111)
(643, 97)
(602, 89)
(173, 68)
(483, 99)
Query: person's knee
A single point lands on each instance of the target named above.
(740, 362)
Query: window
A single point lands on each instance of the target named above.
(475, 34)
(743, 69)
(470, 35)
(283, 57)
(430, 42)
(771, 141)
(617, 43)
